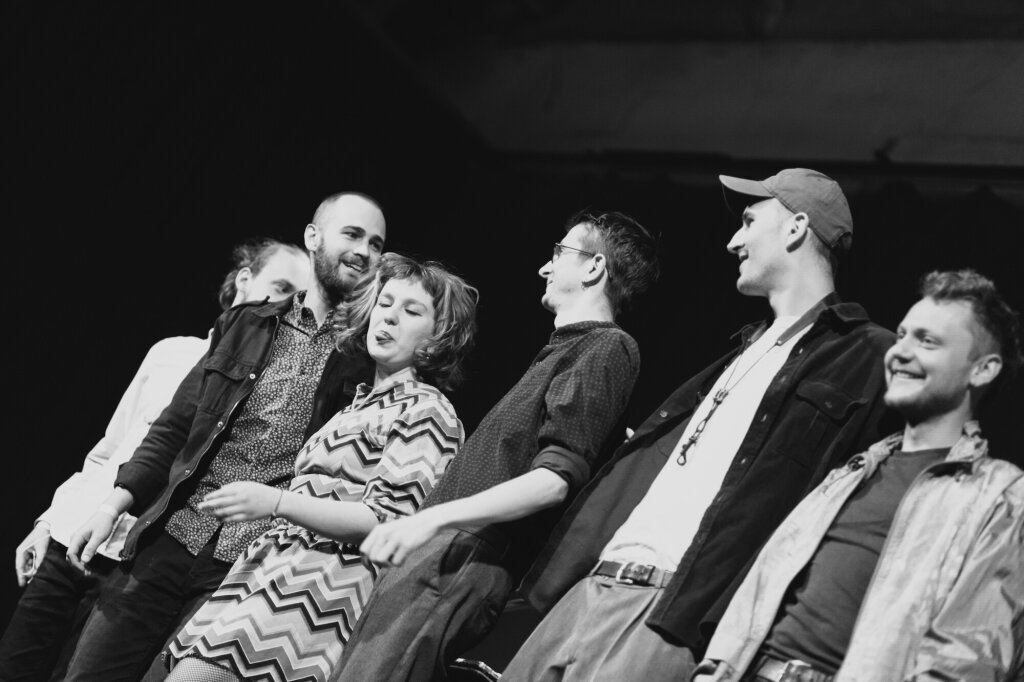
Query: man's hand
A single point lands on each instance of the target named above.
(390, 543)
(30, 553)
(89, 536)
(241, 501)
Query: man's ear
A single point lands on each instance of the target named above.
(986, 369)
(796, 230)
(311, 237)
(242, 280)
(598, 269)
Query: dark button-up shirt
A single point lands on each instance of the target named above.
(558, 417)
(266, 435)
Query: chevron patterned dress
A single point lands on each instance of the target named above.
(287, 607)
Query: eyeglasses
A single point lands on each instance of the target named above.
(559, 247)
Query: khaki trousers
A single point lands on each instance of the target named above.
(597, 632)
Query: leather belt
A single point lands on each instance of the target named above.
(776, 670)
(631, 573)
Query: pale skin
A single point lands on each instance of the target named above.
(575, 292)
(353, 231)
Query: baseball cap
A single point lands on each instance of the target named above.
(802, 190)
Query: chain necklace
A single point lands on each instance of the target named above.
(722, 393)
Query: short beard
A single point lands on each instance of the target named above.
(335, 289)
(925, 408)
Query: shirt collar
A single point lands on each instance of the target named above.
(831, 307)
(364, 391)
(964, 454)
(577, 329)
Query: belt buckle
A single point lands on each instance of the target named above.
(795, 672)
(639, 574)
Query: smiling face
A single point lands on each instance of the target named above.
(401, 321)
(934, 361)
(347, 241)
(565, 274)
(760, 244)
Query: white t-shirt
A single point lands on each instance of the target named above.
(151, 390)
(662, 526)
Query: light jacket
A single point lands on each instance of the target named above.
(946, 601)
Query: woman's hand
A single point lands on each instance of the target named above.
(241, 501)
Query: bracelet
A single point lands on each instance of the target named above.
(279, 498)
(109, 510)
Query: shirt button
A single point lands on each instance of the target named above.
(744, 460)
(252, 376)
(220, 424)
(188, 471)
(764, 418)
(663, 414)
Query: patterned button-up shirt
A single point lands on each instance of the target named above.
(267, 434)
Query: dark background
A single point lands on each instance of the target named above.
(143, 140)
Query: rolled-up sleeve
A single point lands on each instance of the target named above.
(583, 404)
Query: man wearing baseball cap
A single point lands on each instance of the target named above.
(637, 573)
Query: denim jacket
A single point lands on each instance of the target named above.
(946, 601)
(168, 463)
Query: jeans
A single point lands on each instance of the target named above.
(48, 619)
(140, 607)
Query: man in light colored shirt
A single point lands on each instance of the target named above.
(57, 597)
(642, 558)
(907, 563)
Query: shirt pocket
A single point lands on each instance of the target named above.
(222, 377)
(820, 410)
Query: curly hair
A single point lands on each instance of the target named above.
(439, 361)
(991, 312)
(630, 250)
(253, 254)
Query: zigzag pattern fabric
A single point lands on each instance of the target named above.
(288, 606)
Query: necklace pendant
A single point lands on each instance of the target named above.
(720, 396)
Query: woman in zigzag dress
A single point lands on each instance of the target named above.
(286, 609)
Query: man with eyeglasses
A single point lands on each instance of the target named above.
(454, 563)
(637, 572)
(271, 377)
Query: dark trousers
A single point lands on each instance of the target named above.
(140, 608)
(45, 625)
(440, 602)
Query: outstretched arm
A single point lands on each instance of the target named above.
(539, 489)
(247, 501)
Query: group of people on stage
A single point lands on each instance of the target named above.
(294, 497)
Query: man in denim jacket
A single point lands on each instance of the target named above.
(908, 562)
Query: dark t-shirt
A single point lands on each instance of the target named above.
(816, 619)
(558, 416)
